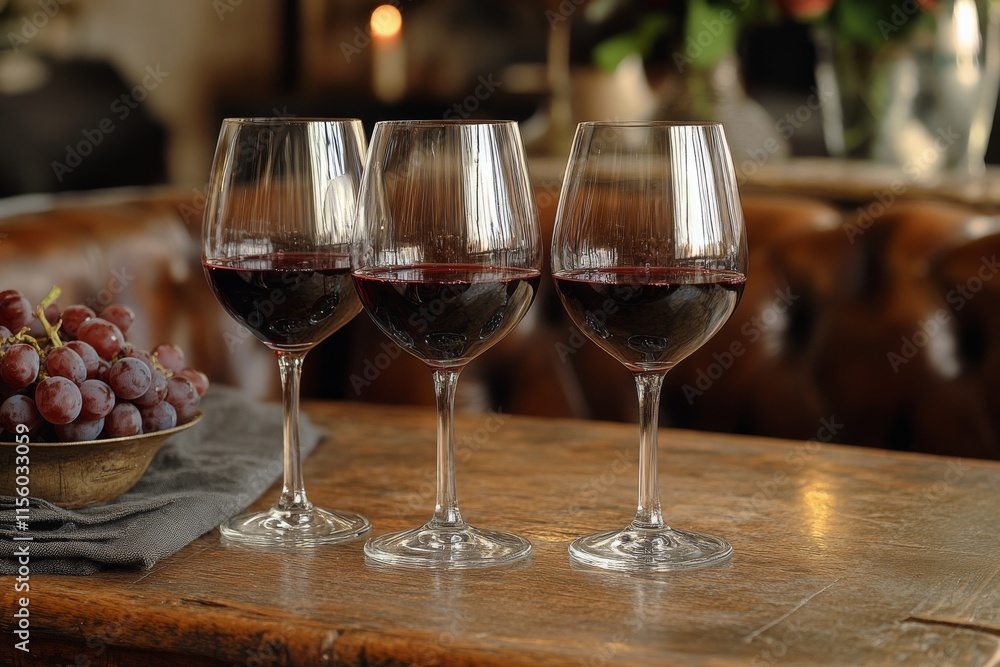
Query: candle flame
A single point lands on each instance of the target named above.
(386, 21)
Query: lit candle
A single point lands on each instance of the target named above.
(389, 56)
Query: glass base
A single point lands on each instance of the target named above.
(447, 547)
(649, 550)
(297, 527)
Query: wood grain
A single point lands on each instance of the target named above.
(842, 556)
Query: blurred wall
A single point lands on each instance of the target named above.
(201, 50)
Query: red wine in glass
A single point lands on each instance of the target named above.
(447, 314)
(649, 258)
(447, 258)
(649, 316)
(287, 299)
(279, 219)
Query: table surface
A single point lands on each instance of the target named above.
(843, 556)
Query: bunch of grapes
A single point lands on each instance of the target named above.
(72, 375)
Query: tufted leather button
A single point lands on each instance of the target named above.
(964, 418)
(752, 376)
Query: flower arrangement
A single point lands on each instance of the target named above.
(699, 33)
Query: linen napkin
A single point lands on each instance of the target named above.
(197, 480)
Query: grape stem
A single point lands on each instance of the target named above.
(160, 367)
(51, 331)
(23, 336)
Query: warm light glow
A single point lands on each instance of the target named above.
(386, 21)
(818, 502)
(968, 47)
(388, 54)
(966, 20)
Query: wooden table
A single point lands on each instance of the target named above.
(843, 556)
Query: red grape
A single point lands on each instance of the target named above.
(73, 317)
(181, 394)
(181, 391)
(91, 360)
(35, 329)
(52, 313)
(170, 356)
(120, 315)
(155, 394)
(58, 400)
(198, 379)
(103, 336)
(135, 352)
(95, 384)
(80, 430)
(15, 312)
(123, 420)
(19, 366)
(129, 378)
(184, 415)
(19, 409)
(98, 399)
(64, 362)
(158, 418)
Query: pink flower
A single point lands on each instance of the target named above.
(804, 9)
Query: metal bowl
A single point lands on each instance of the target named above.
(79, 474)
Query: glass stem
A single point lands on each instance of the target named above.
(648, 514)
(446, 512)
(293, 495)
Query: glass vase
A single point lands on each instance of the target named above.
(923, 98)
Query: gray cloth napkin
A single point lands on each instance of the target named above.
(200, 478)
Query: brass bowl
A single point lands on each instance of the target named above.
(79, 474)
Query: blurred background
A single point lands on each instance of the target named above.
(160, 76)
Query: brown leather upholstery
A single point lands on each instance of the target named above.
(868, 342)
(964, 413)
(876, 330)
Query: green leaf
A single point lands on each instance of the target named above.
(711, 32)
(609, 53)
(651, 28)
(872, 22)
(758, 12)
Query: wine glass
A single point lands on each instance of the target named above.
(649, 259)
(276, 251)
(446, 262)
